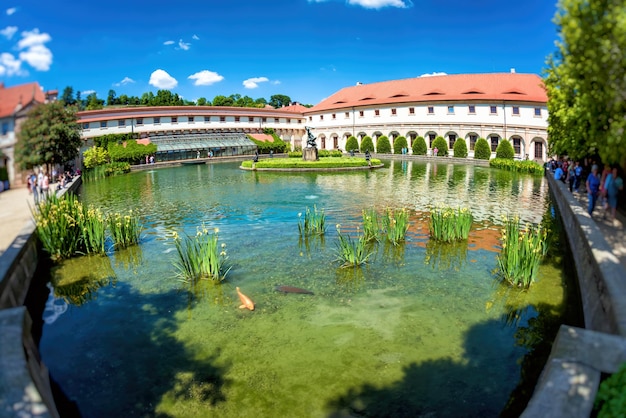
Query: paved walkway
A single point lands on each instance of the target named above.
(14, 214)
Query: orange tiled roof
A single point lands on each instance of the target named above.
(460, 87)
(263, 137)
(10, 97)
(295, 107)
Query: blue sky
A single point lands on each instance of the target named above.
(305, 49)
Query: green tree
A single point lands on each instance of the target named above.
(383, 146)
(49, 135)
(68, 96)
(460, 148)
(95, 156)
(586, 81)
(93, 102)
(111, 99)
(419, 146)
(279, 100)
(352, 144)
(441, 145)
(223, 101)
(367, 144)
(202, 102)
(398, 144)
(505, 150)
(482, 150)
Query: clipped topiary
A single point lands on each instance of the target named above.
(505, 150)
(399, 144)
(419, 146)
(460, 148)
(367, 144)
(482, 151)
(383, 146)
(441, 145)
(352, 144)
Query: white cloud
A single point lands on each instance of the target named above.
(11, 11)
(9, 65)
(162, 80)
(32, 38)
(8, 32)
(253, 82)
(195, 37)
(205, 78)
(183, 45)
(37, 56)
(86, 93)
(126, 80)
(433, 74)
(375, 4)
(169, 43)
(276, 82)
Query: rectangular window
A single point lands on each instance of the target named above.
(431, 110)
(360, 113)
(321, 117)
(288, 120)
(494, 143)
(493, 110)
(250, 118)
(263, 120)
(411, 110)
(516, 110)
(236, 118)
(103, 124)
(222, 118)
(450, 109)
(334, 116)
(393, 112)
(174, 119)
(537, 111)
(451, 140)
(310, 118)
(376, 112)
(85, 126)
(276, 120)
(121, 123)
(139, 121)
(157, 120)
(472, 141)
(471, 109)
(431, 138)
(207, 118)
(517, 145)
(347, 115)
(190, 118)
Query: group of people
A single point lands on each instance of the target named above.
(39, 185)
(601, 188)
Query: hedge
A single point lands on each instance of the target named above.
(482, 151)
(367, 144)
(382, 145)
(460, 148)
(399, 144)
(326, 162)
(419, 146)
(352, 144)
(441, 145)
(526, 166)
(505, 150)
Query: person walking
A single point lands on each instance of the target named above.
(612, 186)
(45, 186)
(593, 188)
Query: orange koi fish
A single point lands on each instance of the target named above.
(246, 301)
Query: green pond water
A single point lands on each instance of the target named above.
(421, 330)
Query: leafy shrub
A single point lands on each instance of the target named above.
(4, 174)
(505, 150)
(130, 151)
(382, 145)
(611, 396)
(527, 166)
(95, 156)
(295, 154)
(441, 145)
(419, 146)
(116, 168)
(264, 147)
(352, 144)
(322, 163)
(399, 144)
(329, 153)
(460, 148)
(482, 151)
(367, 144)
(103, 141)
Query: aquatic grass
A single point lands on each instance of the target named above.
(199, 257)
(351, 253)
(395, 224)
(371, 225)
(125, 230)
(442, 255)
(522, 252)
(314, 222)
(94, 231)
(448, 224)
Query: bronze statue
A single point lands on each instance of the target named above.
(310, 142)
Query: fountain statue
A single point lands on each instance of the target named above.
(310, 152)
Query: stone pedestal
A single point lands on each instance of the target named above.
(309, 154)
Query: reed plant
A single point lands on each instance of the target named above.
(448, 224)
(352, 253)
(125, 230)
(200, 257)
(522, 252)
(94, 231)
(314, 222)
(371, 225)
(395, 224)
